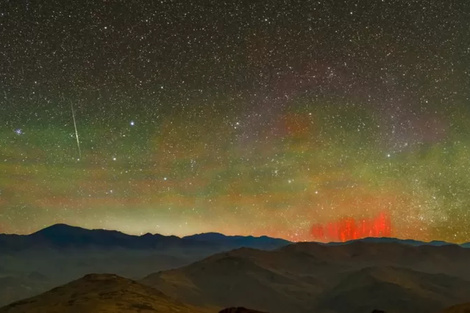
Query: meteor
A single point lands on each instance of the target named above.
(76, 132)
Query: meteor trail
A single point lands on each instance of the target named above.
(76, 132)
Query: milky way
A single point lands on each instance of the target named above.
(306, 120)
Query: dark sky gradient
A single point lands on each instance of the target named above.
(307, 120)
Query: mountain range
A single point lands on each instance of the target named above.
(31, 264)
(309, 277)
(210, 272)
(66, 236)
(62, 236)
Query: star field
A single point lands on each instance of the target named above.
(306, 120)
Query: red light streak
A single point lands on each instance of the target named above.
(349, 228)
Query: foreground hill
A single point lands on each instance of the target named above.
(308, 277)
(101, 293)
(34, 263)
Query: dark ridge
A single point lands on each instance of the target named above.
(61, 236)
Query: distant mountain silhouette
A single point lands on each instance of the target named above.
(241, 241)
(101, 293)
(66, 236)
(409, 242)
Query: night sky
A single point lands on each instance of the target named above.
(307, 120)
